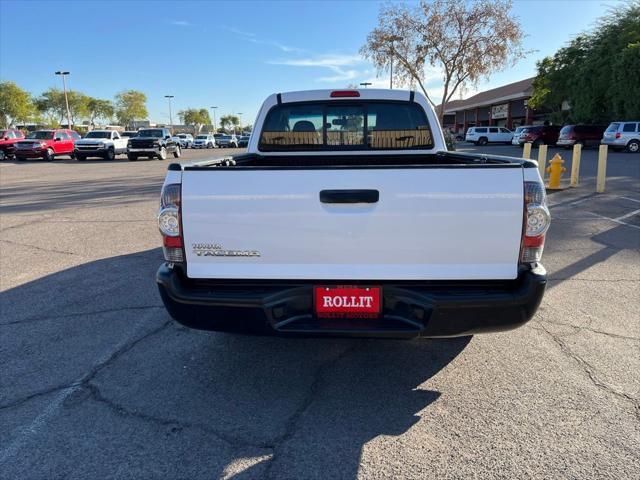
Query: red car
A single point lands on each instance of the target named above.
(46, 144)
(540, 135)
(7, 140)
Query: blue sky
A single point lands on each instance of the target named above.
(228, 54)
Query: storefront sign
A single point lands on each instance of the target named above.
(500, 111)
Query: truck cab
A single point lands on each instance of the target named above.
(105, 144)
(348, 216)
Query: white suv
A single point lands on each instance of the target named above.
(623, 135)
(484, 135)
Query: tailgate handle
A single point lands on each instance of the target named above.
(349, 196)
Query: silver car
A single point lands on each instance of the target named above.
(621, 135)
(204, 141)
(516, 135)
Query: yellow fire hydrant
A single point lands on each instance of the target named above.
(555, 171)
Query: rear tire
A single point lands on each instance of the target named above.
(132, 158)
(49, 155)
(633, 146)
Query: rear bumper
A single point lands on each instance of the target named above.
(430, 309)
(565, 142)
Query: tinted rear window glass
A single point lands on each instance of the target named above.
(613, 127)
(481, 130)
(629, 127)
(346, 126)
(566, 129)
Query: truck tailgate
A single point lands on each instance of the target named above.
(427, 224)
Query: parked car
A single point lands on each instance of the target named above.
(100, 143)
(623, 135)
(8, 139)
(540, 135)
(485, 135)
(46, 144)
(128, 134)
(585, 135)
(243, 141)
(152, 143)
(319, 232)
(227, 141)
(516, 134)
(184, 139)
(204, 141)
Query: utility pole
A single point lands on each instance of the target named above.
(215, 129)
(66, 99)
(170, 115)
(392, 38)
(365, 84)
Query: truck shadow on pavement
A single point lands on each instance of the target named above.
(193, 403)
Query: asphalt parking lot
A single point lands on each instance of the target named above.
(98, 382)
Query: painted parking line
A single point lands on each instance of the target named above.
(617, 220)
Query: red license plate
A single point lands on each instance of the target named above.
(347, 301)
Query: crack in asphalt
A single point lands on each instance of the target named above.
(12, 448)
(81, 314)
(121, 410)
(589, 329)
(87, 377)
(49, 250)
(314, 389)
(589, 370)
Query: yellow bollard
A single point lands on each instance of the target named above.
(542, 160)
(602, 169)
(526, 153)
(575, 164)
(555, 171)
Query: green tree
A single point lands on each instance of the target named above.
(229, 122)
(15, 104)
(195, 117)
(130, 105)
(596, 73)
(52, 105)
(98, 108)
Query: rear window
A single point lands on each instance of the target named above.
(346, 126)
(613, 127)
(566, 129)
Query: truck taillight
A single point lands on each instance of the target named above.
(536, 222)
(170, 223)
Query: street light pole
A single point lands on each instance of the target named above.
(170, 115)
(66, 99)
(240, 118)
(215, 129)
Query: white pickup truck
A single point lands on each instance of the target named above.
(347, 216)
(100, 143)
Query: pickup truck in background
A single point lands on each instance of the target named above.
(152, 143)
(100, 143)
(347, 216)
